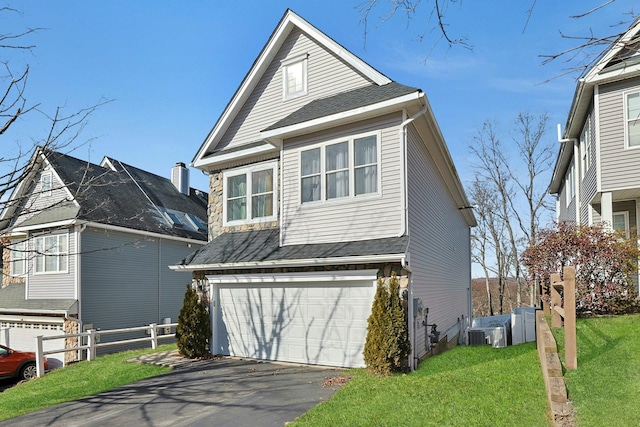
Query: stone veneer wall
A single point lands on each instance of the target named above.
(215, 210)
(70, 327)
(7, 279)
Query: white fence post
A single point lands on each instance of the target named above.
(154, 335)
(39, 357)
(91, 351)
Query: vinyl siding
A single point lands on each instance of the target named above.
(439, 244)
(617, 160)
(53, 285)
(348, 218)
(126, 281)
(567, 212)
(327, 75)
(589, 184)
(35, 201)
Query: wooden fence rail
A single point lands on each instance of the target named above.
(564, 308)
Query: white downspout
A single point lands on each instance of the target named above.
(403, 165)
(404, 262)
(280, 192)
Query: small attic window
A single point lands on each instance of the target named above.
(45, 183)
(294, 76)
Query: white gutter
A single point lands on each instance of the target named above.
(292, 262)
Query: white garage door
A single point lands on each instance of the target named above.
(20, 332)
(305, 318)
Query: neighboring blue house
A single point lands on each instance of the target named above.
(326, 175)
(89, 245)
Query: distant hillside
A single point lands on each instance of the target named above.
(480, 300)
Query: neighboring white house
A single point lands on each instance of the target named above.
(88, 245)
(596, 177)
(326, 175)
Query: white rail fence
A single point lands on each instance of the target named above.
(93, 341)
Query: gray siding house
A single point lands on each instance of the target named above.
(596, 177)
(88, 246)
(326, 175)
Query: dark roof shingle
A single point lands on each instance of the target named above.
(264, 245)
(345, 101)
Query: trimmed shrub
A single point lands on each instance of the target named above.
(387, 346)
(194, 326)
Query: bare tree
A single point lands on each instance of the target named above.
(585, 48)
(510, 191)
(63, 133)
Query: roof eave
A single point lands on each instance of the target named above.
(293, 262)
(276, 136)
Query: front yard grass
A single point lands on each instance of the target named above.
(605, 389)
(465, 386)
(78, 380)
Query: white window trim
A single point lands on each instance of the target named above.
(352, 183)
(626, 120)
(22, 259)
(626, 221)
(585, 147)
(285, 63)
(42, 177)
(248, 171)
(570, 185)
(36, 255)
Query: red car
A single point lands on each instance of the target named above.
(18, 364)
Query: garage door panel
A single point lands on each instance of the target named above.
(306, 322)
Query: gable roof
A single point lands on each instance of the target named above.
(289, 21)
(120, 195)
(262, 248)
(619, 61)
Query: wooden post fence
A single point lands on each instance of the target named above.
(565, 311)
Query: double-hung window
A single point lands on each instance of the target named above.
(632, 112)
(18, 257)
(250, 194)
(343, 168)
(294, 76)
(570, 185)
(51, 253)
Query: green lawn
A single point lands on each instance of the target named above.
(605, 389)
(466, 386)
(76, 381)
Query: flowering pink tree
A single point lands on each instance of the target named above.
(604, 262)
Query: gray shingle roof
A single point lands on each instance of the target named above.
(12, 298)
(345, 101)
(264, 245)
(124, 197)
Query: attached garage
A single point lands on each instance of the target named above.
(20, 332)
(313, 318)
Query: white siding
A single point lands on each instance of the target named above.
(327, 75)
(344, 219)
(616, 160)
(35, 201)
(439, 244)
(53, 285)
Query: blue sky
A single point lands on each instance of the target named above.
(171, 67)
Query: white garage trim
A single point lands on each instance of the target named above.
(341, 276)
(20, 332)
(312, 317)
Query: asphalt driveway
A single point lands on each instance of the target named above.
(225, 392)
